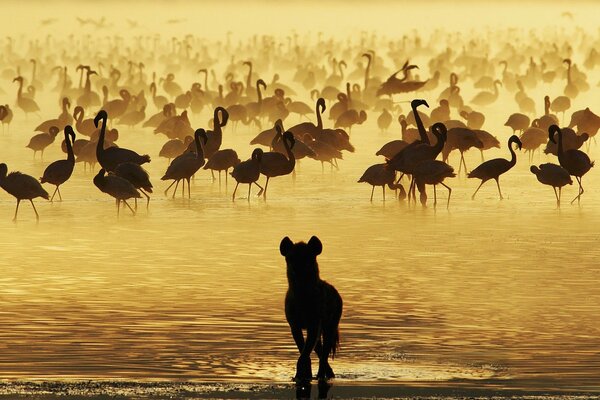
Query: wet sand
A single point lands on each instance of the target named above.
(102, 389)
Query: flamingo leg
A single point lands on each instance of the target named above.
(477, 190)
(135, 204)
(434, 196)
(172, 183)
(58, 190)
(16, 210)
(176, 186)
(449, 193)
(183, 188)
(118, 206)
(128, 206)
(499, 191)
(578, 198)
(460, 164)
(372, 190)
(235, 190)
(260, 187)
(249, 187)
(559, 195)
(462, 156)
(189, 193)
(383, 189)
(52, 197)
(556, 195)
(147, 198)
(266, 186)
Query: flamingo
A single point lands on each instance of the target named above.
(26, 104)
(138, 177)
(40, 141)
(113, 156)
(222, 160)
(119, 188)
(248, 172)
(60, 171)
(552, 175)
(432, 172)
(175, 147)
(274, 163)
(22, 187)
(187, 164)
(576, 162)
(380, 175)
(492, 169)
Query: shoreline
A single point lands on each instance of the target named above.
(100, 389)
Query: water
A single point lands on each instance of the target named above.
(490, 293)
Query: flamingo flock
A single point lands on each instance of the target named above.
(320, 97)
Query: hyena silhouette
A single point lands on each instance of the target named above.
(311, 304)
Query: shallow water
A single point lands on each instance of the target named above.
(488, 293)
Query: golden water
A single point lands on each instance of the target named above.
(500, 291)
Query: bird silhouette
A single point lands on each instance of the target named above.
(248, 172)
(275, 164)
(552, 175)
(110, 158)
(183, 167)
(576, 162)
(26, 104)
(119, 188)
(60, 171)
(432, 172)
(138, 177)
(40, 141)
(222, 160)
(22, 187)
(380, 175)
(492, 169)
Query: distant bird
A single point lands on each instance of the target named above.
(63, 119)
(487, 98)
(561, 104)
(7, 118)
(532, 138)
(119, 188)
(384, 120)
(222, 160)
(183, 167)
(85, 127)
(26, 104)
(517, 122)
(248, 172)
(432, 172)
(552, 175)
(381, 175)
(275, 164)
(175, 147)
(492, 169)
(138, 177)
(22, 187)
(575, 161)
(113, 156)
(40, 141)
(60, 171)
(215, 136)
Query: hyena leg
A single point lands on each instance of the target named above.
(303, 367)
(298, 337)
(329, 341)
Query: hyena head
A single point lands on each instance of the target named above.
(301, 260)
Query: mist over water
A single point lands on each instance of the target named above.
(499, 293)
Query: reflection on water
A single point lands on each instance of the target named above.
(501, 292)
(194, 289)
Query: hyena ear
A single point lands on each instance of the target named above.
(315, 245)
(285, 246)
